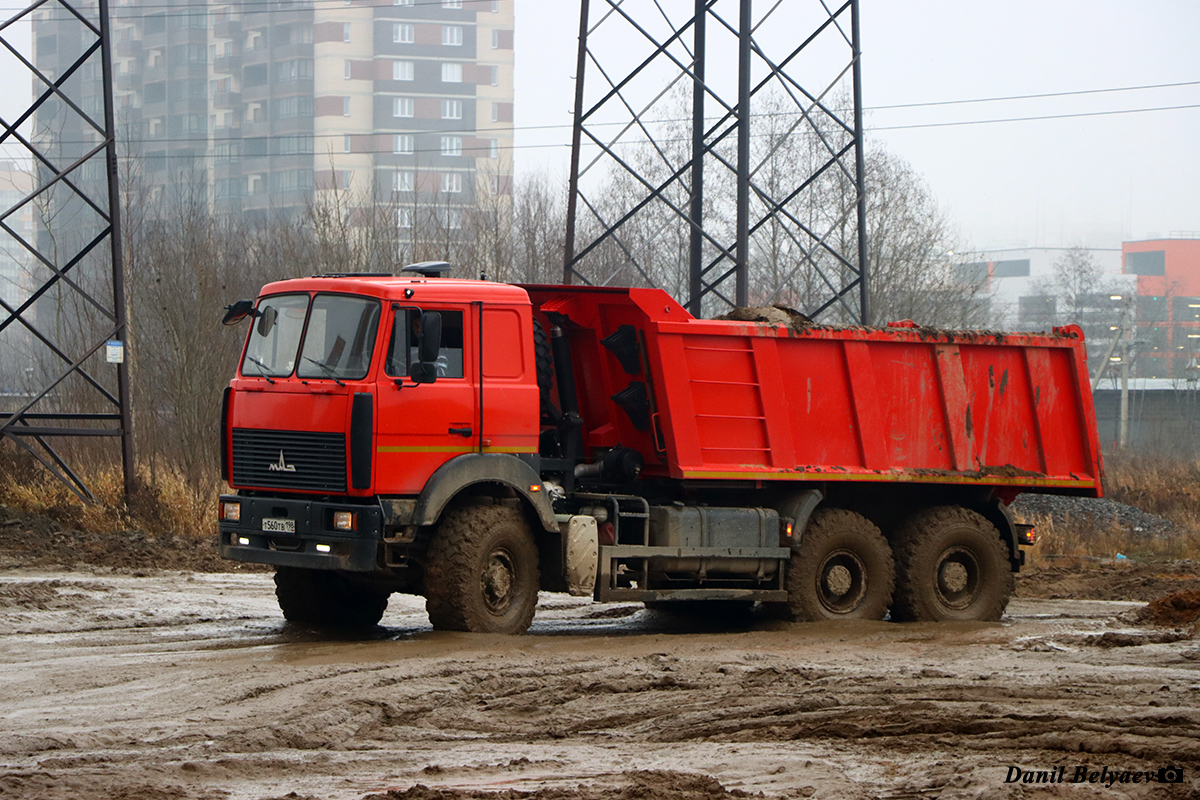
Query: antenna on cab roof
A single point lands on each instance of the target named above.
(428, 269)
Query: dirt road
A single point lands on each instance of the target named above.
(181, 685)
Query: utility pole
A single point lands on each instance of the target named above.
(1127, 347)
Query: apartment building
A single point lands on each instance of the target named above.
(1147, 296)
(268, 104)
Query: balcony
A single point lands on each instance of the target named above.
(227, 29)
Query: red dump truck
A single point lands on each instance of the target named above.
(475, 442)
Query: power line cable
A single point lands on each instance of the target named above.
(1073, 93)
(1038, 118)
(550, 145)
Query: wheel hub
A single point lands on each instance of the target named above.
(497, 581)
(842, 582)
(957, 577)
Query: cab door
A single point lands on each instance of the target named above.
(422, 426)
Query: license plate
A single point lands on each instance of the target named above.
(279, 525)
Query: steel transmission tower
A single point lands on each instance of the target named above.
(64, 378)
(717, 153)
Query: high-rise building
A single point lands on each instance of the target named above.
(16, 279)
(265, 105)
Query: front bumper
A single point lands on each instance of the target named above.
(314, 544)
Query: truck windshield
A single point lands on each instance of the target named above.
(275, 336)
(340, 338)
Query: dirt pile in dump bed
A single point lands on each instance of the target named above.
(639, 785)
(1174, 610)
(772, 315)
(35, 540)
(1099, 580)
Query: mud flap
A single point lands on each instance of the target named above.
(583, 555)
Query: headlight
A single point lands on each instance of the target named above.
(345, 520)
(230, 512)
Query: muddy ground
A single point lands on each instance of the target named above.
(121, 680)
(168, 685)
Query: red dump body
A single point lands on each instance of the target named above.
(752, 401)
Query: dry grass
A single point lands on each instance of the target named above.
(168, 503)
(165, 501)
(1168, 488)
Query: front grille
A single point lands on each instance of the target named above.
(313, 462)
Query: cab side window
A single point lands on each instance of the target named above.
(406, 333)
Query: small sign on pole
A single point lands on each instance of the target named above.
(114, 352)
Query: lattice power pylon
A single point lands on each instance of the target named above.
(720, 142)
(63, 376)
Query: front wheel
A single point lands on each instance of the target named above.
(842, 570)
(951, 565)
(481, 573)
(327, 599)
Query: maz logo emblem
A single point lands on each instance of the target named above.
(281, 465)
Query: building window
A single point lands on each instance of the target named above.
(345, 31)
(402, 70)
(402, 2)
(402, 144)
(289, 107)
(294, 69)
(452, 218)
(495, 39)
(345, 106)
(452, 109)
(346, 145)
(348, 69)
(452, 145)
(403, 33)
(495, 76)
(452, 35)
(451, 3)
(452, 182)
(495, 112)
(495, 6)
(494, 150)
(402, 181)
(451, 73)
(404, 218)
(402, 106)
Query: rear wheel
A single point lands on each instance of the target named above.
(481, 573)
(951, 565)
(327, 599)
(842, 570)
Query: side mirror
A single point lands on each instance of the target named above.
(423, 373)
(237, 312)
(431, 337)
(266, 320)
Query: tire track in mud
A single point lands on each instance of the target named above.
(663, 699)
(856, 712)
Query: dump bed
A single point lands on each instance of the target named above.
(713, 400)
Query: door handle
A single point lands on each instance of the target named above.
(461, 431)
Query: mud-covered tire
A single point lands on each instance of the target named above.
(481, 572)
(951, 564)
(327, 599)
(842, 569)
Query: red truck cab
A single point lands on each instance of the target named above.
(326, 435)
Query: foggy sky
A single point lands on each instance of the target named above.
(1093, 181)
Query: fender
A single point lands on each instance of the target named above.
(465, 470)
(800, 507)
(1000, 515)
